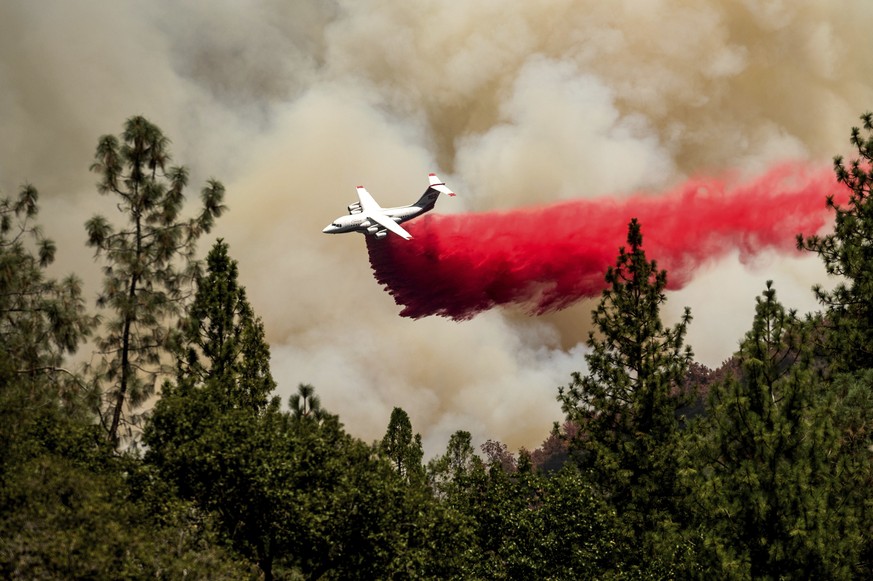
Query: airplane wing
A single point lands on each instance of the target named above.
(386, 222)
(368, 204)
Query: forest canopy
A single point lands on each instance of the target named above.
(170, 455)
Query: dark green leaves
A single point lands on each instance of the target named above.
(769, 483)
(848, 253)
(402, 448)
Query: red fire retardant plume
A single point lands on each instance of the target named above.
(547, 258)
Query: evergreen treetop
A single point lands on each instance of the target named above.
(223, 341)
(626, 405)
(636, 366)
(847, 252)
(150, 261)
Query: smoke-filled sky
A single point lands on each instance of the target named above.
(512, 103)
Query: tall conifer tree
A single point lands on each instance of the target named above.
(770, 473)
(626, 404)
(223, 341)
(846, 324)
(213, 433)
(41, 319)
(847, 252)
(149, 261)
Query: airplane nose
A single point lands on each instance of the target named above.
(328, 229)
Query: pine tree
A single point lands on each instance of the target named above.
(851, 409)
(223, 345)
(626, 405)
(150, 261)
(68, 506)
(305, 404)
(848, 253)
(770, 481)
(213, 433)
(846, 324)
(43, 319)
(402, 448)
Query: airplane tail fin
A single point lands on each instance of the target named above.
(437, 187)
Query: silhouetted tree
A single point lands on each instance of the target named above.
(455, 470)
(847, 252)
(626, 405)
(305, 403)
(402, 448)
(845, 327)
(149, 262)
(223, 342)
(68, 505)
(41, 319)
(211, 435)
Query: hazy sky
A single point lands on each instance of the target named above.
(293, 104)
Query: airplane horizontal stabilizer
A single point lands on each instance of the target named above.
(439, 186)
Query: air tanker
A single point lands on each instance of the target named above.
(369, 218)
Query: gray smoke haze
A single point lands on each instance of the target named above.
(293, 104)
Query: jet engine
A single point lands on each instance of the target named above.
(355, 208)
(381, 234)
(374, 229)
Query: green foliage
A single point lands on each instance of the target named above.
(210, 434)
(291, 491)
(67, 507)
(217, 456)
(848, 253)
(403, 449)
(846, 325)
(63, 518)
(452, 473)
(534, 525)
(149, 262)
(295, 492)
(223, 341)
(626, 406)
(345, 512)
(41, 321)
(305, 403)
(770, 478)
(851, 410)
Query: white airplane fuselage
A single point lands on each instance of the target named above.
(367, 217)
(363, 224)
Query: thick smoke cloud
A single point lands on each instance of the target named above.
(547, 258)
(515, 104)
